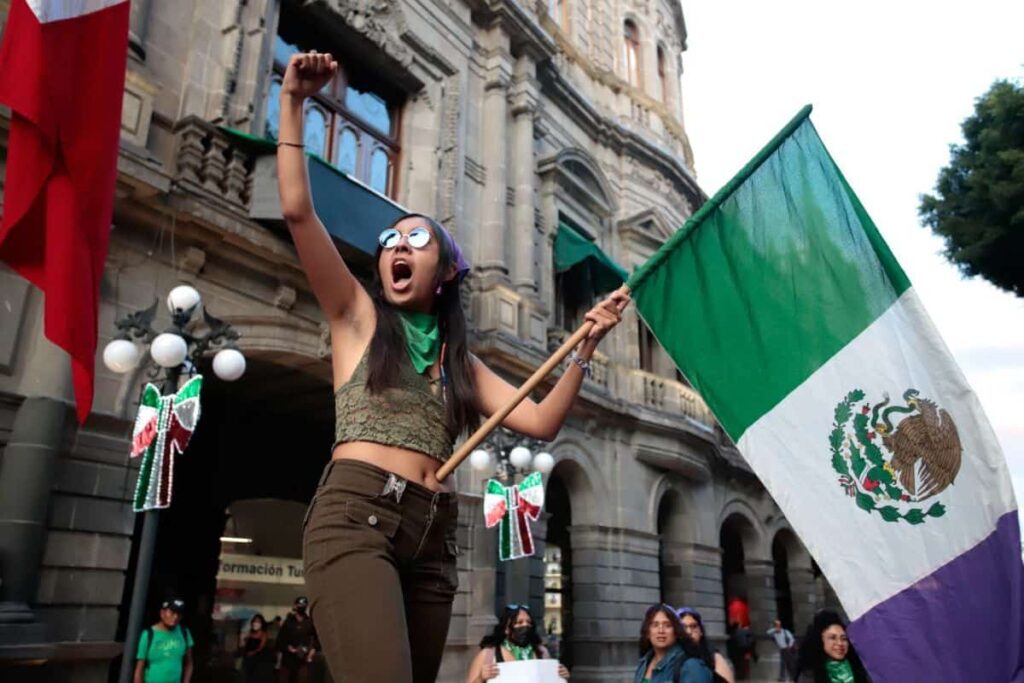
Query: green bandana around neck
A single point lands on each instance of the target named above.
(519, 653)
(839, 672)
(422, 338)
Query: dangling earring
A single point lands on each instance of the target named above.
(438, 290)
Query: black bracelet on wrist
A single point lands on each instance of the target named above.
(292, 144)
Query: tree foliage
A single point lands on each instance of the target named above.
(978, 207)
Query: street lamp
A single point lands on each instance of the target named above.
(174, 351)
(513, 454)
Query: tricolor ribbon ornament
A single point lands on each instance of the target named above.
(513, 508)
(163, 427)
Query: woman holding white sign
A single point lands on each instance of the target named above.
(513, 639)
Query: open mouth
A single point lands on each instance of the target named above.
(401, 274)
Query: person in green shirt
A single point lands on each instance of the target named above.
(827, 655)
(165, 648)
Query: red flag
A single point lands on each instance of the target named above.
(62, 66)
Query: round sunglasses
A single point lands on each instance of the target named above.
(417, 238)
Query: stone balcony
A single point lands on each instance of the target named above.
(210, 161)
(667, 395)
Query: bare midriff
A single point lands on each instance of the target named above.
(413, 466)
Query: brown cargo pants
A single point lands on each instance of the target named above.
(380, 563)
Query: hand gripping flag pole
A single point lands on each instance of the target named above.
(535, 379)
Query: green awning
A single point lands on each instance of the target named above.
(589, 268)
(352, 212)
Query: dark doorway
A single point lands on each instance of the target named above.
(670, 562)
(734, 578)
(266, 436)
(559, 588)
(783, 593)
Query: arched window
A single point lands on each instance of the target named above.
(631, 52)
(348, 123)
(662, 77)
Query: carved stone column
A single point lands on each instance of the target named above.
(761, 594)
(26, 477)
(494, 148)
(523, 95)
(692, 577)
(138, 24)
(805, 599)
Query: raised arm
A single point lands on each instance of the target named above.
(342, 298)
(543, 420)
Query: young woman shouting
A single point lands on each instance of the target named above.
(378, 543)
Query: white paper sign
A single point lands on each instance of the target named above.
(531, 671)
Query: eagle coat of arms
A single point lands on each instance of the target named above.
(891, 458)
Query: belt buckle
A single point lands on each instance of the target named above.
(395, 485)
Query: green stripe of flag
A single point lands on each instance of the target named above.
(769, 279)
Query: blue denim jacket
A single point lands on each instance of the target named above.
(693, 670)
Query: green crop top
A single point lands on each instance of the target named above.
(407, 416)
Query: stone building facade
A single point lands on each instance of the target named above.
(505, 119)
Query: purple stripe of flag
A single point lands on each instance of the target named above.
(964, 622)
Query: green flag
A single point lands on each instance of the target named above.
(785, 309)
(783, 266)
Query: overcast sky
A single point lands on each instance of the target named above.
(890, 83)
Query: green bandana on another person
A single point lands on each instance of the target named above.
(422, 338)
(839, 672)
(519, 653)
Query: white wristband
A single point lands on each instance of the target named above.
(584, 365)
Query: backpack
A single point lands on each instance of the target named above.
(185, 635)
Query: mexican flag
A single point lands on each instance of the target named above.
(62, 67)
(781, 303)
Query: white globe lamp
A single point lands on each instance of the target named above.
(480, 460)
(229, 364)
(183, 298)
(120, 355)
(168, 350)
(520, 457)
(544, 463)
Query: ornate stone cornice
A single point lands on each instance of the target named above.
(525, 33)
(607, 130)
(382, 23)
(617, 85)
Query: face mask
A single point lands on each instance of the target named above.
(521, 635)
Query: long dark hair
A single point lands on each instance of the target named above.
(689, 647)
(704, 648)
(812, 655)
(461, 408)
(508, 617)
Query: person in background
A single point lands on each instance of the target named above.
(693, 625)
(257, 657)
(297, 644)
(165, 648)
(667, 654)
(827, 656)
(784, 641)
(514, 638)
(273, 629)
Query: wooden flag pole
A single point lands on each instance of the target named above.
(535, 379)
